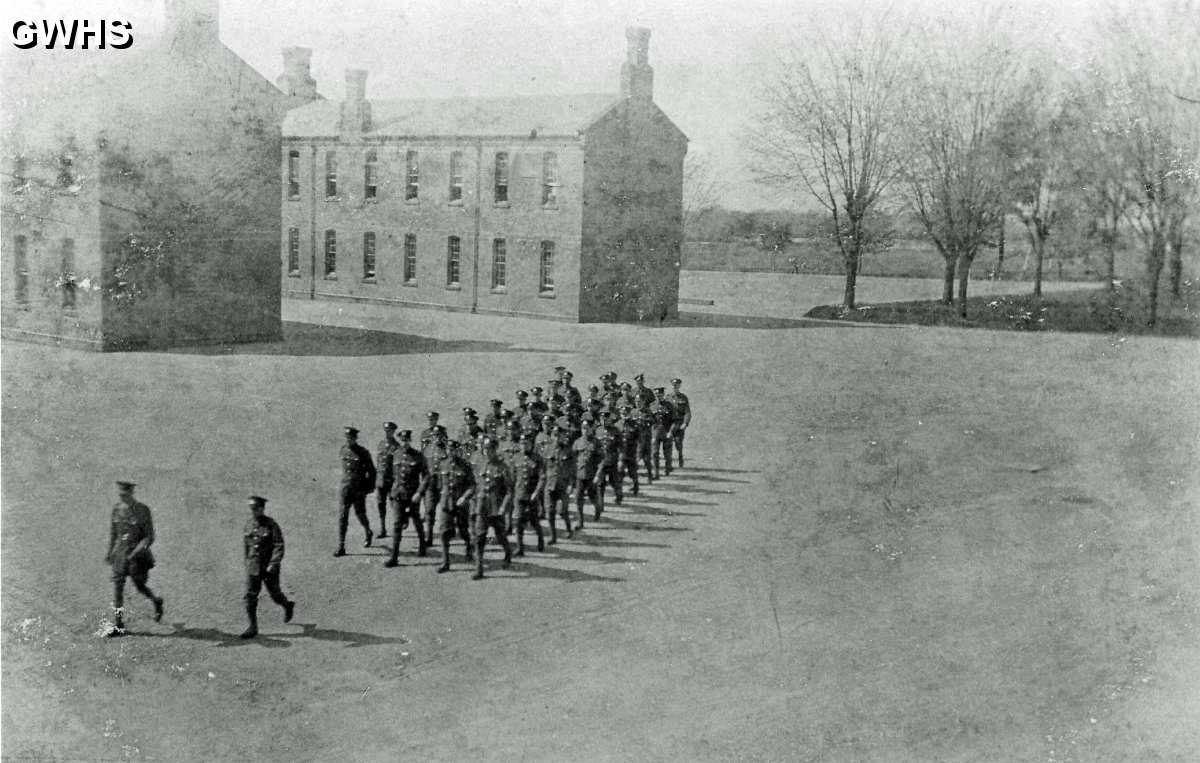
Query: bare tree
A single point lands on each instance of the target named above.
(830, 127)
(700, 189)
(955, 174)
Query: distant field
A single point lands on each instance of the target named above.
(908, 259)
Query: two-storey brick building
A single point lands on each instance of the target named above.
(565, 207)
(140, 205)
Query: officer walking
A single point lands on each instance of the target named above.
(529, 481)
(662, 418)
(493, 493)
(410, 474)
(631, 439)
(457, 486)
(383, 465)
(587, 455)
(683, 417)
(131, 534)
(263, 546)
(358, 479)
(556, 456)
(610, 459)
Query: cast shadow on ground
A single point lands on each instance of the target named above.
(704, 470)
(564, 552)
(692, 475)
(550, 573)
(310, 339)
(634, 525)
(645, 498)
(278, 640)
(726, 321)
(602, 541)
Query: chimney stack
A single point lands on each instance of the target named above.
(193, 21)
(356, 109)
(296, 79)
(637, 76)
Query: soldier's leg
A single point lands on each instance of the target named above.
(678, 437)
(480, 525)
(581, 490)
(536, 519)
(655, 451)
(139, 582)
(598, 500)
(399, 520)
(502, 537)
(253, 586)
(618, 490)
(463, 520)
(360, 511)
(644, 451)
(381, 500)
(118, 605)
(343, 521)
(271, 581)
(666, 446)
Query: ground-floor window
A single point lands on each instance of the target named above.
(499, 264)
(368, 256)
(453, 260)
(410, 258)
(330, 254)
(293, 251)
(546, 268)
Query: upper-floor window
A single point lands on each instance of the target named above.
(549, 179)
(456, 176)
(499, 263)
(546, 268)
(410, 258)
(453, 260)
(21, 269)
(368, 256)
(293, 175)
(330, 254)
(370, 175)
(412, 173)
(67, 278)
(331, 189)
(501, 188)
(293, 261)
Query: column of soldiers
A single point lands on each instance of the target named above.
(503, 475)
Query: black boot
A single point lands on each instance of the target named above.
(158, 609)
(541, 537)
(478, 562)
(445, 554)
(289, 609)
(252, 614)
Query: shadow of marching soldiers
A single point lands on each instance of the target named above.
(279, 640)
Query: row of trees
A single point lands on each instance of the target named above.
(966, 124)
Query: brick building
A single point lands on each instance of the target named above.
(140, 207)
(565, 207)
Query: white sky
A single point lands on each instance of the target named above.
(705, 53)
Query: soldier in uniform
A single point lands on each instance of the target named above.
(683, 417)
(610, 459)
(263, 546)
(493, 491)
(569, 393)
(631, 440)
(410, 476)
(662, 418)
(383, 468)
(529, 482)
(431, 488)
(430, 432)
(557, 458)
(587, 455)
(358, 479)
(458, 485)
(130, 536)
(494, 420)
(641, 393)
(468, 433)
(509, 450)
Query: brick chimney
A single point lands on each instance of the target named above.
(193, 21)
(637, 76)
(356, 109)
(296, 79)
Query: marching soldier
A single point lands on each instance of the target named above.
(522, 406)
(587, 456)
(458, 485)
(358, 479)
(509, 451)
(263, 546)
(131, 533)
(410, 477)
(529, 482)
(494, 420)
(610, 458)
(430, 433)
(662, 418)
(683, 417)
(557, 458)
(383, 467)
(569, 393)
(431, 489)
(493, 491)
(641, 393)
(631, 439)
(641, 412)
(468, 433)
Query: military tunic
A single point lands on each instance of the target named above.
(130, 536)
(263, 548)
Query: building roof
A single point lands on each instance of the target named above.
(519, 116)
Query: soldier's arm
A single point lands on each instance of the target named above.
(112, 540)
(687, 414)
(148, 534)
(370, 466)
(277, 549)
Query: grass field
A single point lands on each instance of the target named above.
(888, 544)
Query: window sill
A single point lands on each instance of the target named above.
(294, 274)
(550, 207)
(333, 198)
(546, 295)
(293, 198)
(331, 277)
(370, 200)
(412, 201)
(499, 290)
(370, 280)
(502, 204)
(455, 203)
(453, 287)
(410, 284)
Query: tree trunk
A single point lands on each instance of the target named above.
(964, 275)
(1176, 262)
(1000, 253)
(1154, 266)
(851, 263)
(1109, 240)
(948, 279)
(1039, 256)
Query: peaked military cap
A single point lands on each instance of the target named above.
(559, 369)
(489, 442)
(389, 425)
(593, 388)
(351, 431)
(496, 403)
(677, 381)
(404, 434)
(454, 443)
(660, 389)
(626, 386)
(508, 414)
(568, 374)
(126, 485)
(640, 377)
(257, 500)
(514, 423)
(526, 436)
(627, 407)
(522, 394)
(537, 390)
(431, 415)
(469, 411)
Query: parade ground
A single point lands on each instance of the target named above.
(887, 543)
